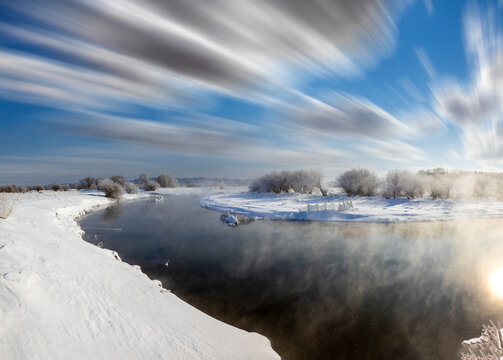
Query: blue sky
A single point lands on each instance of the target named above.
(236, 89)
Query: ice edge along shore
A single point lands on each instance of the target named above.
(61, 297)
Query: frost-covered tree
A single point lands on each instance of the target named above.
(130, 188)
(88, 183)
(489, 346)
(111, 189)
(400, 183)
(359, 181)
(5, 207)
(118, 179)
(302, 181)
(166, 180)
(144, 178)
(439, 186)
(150, 185)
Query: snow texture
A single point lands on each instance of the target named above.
(293, 206)
(63, 298)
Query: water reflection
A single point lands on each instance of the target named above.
(112, 212)
(322, 290)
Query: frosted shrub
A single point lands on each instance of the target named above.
(275, 182)
(488, 347)
(166, 181)
(360, 182)
(400, 183)
(440, 187)
(5, 207)
(112, 190)
(88, 183)
(302, 181)
(130, 188)
(118, 179)
(144, 178)
(150, 186)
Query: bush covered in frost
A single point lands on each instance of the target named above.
(166, 181)
(144, 178)
(88, 183)
(130, 188)
(150, 186)
(361, 182)
(302, 181)
(5, 207)
(489, 346)
(118, 179)
(400, 183)
(111, 189)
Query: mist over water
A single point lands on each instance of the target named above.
(319, 290)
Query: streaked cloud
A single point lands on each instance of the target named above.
(395, 151)
(219, 44)
(477, 105)
(347, 115)
(426, 62)
(98, 62)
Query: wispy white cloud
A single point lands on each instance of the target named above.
(428, 4)
(395, 151)
(346, 115)
(477, 106)
(426, 62)
(219, 44)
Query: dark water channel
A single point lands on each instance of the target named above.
(318, 290)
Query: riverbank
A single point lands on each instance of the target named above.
(61, 297)
(293, 206)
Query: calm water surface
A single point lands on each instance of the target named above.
(319, 290)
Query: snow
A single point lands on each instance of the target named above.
(63, 298)
(229, 219)
(294, 206)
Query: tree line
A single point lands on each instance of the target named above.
(113, 187)
(435, 183)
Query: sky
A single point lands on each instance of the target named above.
(225, 88)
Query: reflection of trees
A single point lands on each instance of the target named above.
(112, 213)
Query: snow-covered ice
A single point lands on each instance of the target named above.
(63, 298)
(293, 206)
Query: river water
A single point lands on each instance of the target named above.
(319, 290)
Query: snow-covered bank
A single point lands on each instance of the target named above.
(292, 206)
(63, 298)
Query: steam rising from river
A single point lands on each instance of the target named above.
(409, 290)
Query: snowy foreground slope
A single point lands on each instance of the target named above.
(63, 298)
(294, 206)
